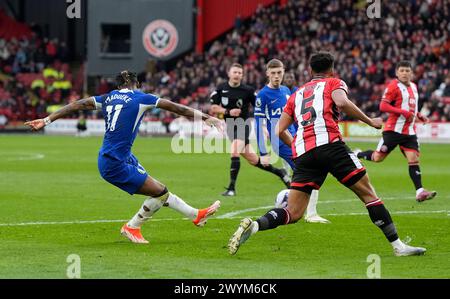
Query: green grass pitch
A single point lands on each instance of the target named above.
(54, 203)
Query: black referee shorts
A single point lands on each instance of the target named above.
(238, 130)
(312, 168)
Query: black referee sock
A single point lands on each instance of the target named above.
(273, 218)
(367, 155)
(381, 218)
(416, 176)
(234, 171)
(277, 171)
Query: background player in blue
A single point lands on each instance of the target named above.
(290, 82)
(269, 105)
(231, 100)
(123, 110)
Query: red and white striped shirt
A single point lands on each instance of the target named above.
(403, 97)
(316, 114)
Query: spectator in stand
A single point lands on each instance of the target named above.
(4, 52)
(103, 87)
(166, 120)
(51, 50)
(81, 125)
(444, 88)
(37, 85)
(364, 50)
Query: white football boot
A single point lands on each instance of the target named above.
(409, 250)
(241, 235)
(316, 219)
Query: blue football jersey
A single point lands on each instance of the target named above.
(294, 89)
(123, 111)
(269, 105)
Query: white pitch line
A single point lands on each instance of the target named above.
(60, 222)
(234, 213)
(221, 217)
(362, 214)
(392, 213)
(78, 222)
(26, 157)
(231, 215)
(382, 198)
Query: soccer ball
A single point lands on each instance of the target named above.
(281, 200)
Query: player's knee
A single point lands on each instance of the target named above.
(414, 159)
(157, 189)
(378, 157)
(252, 159)
(294, 215)
(296, 218)
(252, 162)
(363, 189)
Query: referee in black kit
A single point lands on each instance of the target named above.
(232, 100)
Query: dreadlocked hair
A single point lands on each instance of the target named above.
(126, 78)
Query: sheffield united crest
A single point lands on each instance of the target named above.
(160, 38)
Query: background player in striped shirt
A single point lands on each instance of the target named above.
(318, 149)
(123, 110)
(400, 100)
(270, 102)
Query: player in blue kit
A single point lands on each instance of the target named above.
(289, 82)
(269, 105)
(123, 110)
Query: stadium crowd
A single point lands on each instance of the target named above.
(34, 71)
(366, 51)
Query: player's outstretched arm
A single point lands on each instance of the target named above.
(422, 118)
(388, 108)
(189, 112)
(82, 104)
(282, 128)
(341, 100)
(216, 109)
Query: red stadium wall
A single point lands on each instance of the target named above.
(10, 28)
(215, 17)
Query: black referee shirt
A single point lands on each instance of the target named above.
(234, 98)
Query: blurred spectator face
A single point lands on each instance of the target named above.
(404, 74)
(289, 79)
(275, 76)
(235, 75)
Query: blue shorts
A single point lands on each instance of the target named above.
(285, 152)
(128, 175)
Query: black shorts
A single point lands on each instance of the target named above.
(239, 131)
(391, 139)
(312, 168)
